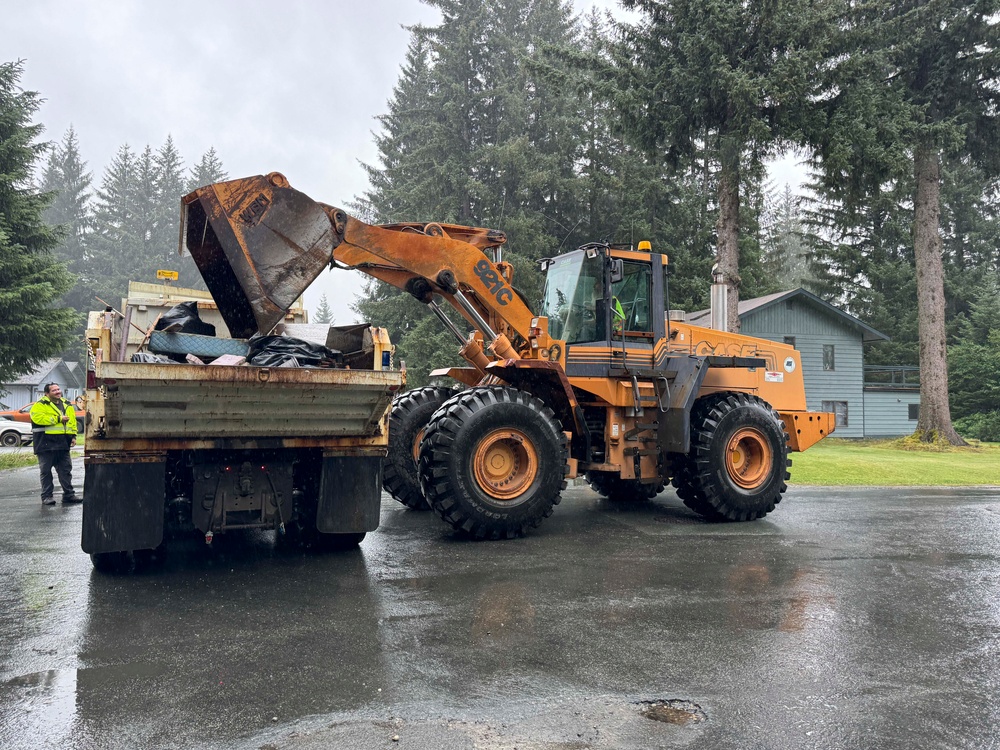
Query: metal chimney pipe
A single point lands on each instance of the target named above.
(719, 301)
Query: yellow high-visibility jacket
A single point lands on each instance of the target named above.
(45, 414)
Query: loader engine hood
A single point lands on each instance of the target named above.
(259, 244)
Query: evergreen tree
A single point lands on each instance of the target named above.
(116, 247)
(786, 254)
(323, 312)
(67, 178)
(169, 189)
(31, 280)
(736, 78)
(477, 134)
(205, 172)
(909, 85)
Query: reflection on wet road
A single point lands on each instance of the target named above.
(849, 618)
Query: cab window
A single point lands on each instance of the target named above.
(631, 312)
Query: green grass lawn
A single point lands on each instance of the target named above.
(888, 463)
(24, 456)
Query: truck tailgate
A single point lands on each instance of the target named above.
(164, 401)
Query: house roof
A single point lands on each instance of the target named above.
(41, 373)
(750, 306)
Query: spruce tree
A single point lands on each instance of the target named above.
(32, 329)
(323, 312)
(115, 254)
(476, 134)
(67, 178)
(169, 189)
(911, 85)
(205, 172)
(735, 77)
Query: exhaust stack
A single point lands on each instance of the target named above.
(719, 301)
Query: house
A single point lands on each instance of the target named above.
(30, 387)
(870, 402)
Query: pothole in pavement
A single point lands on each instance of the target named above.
(673, 711)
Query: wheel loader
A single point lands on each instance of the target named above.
(598, 381)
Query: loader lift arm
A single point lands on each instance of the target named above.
(260, 243)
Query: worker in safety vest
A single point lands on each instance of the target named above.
(54, 433)
(617, 317)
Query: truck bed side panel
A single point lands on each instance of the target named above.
(162, 401)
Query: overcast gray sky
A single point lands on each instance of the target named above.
(286, 86)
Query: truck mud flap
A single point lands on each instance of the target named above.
(123, 509)
(350, 494)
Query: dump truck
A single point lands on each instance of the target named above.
(187, 449)
(600, 381)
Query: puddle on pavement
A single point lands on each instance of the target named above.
(673, 711)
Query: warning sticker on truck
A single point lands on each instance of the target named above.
(774, 377)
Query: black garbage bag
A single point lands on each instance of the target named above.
(151, 359)
(183, 318)
(285, 351)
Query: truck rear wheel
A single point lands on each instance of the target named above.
(113, 562)
(411, 411)
(620, 490)
(738, 463)
(493, 462)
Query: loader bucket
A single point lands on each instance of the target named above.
(258, 244)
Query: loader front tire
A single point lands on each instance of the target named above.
(411, 411)
(493, 462)
(738, 463)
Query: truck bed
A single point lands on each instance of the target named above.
(161, 401)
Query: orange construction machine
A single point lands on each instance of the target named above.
(598, 381)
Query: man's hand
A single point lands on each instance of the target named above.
(64, 418)
(72, 443)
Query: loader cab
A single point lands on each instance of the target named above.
(607, 303)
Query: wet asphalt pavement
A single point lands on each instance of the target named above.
(847, 619)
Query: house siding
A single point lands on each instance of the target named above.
(812, 330)
(887, 412)
(18, 394)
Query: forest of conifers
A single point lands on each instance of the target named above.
(559, 129)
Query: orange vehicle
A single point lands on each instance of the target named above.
(24, 413)
(599, 381)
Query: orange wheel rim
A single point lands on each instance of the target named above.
(748, 458)
(416, 443)
(505, 464)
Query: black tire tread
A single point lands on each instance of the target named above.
(701, 489)
(619, 490)
(439, 441)
(399, 470)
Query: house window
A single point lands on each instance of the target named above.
(790, 340)
(914, 411)
(839, 408)
(829, 362)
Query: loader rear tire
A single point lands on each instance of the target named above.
(493, 462)
(411, 411)
(619, 490)
(738, 463)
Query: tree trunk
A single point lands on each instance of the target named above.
(727, 228)
(935, 411)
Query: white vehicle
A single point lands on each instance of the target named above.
(14, 433)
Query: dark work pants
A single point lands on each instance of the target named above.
(60, 460)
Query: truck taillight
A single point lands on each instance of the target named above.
(91, 380)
